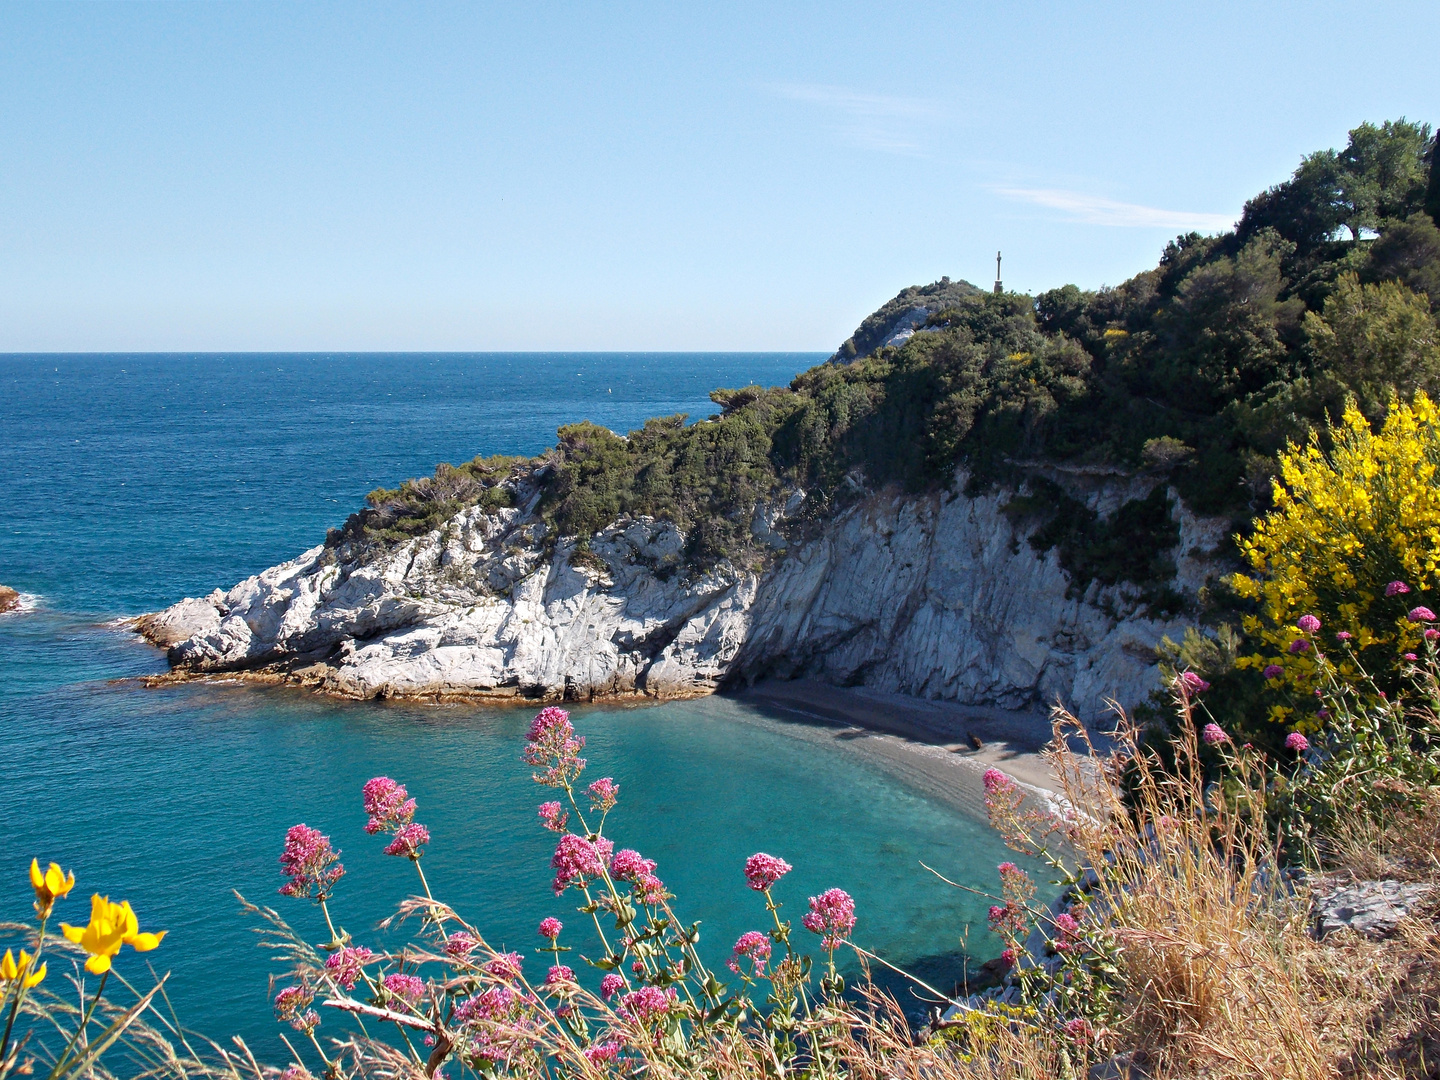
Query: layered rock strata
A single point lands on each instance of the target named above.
(937, 596)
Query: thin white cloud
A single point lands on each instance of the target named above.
(892, 125)
(1094, 210)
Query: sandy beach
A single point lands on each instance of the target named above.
(927, 744)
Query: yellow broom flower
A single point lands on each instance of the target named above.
(49, 886)
(11, 971)
(111, 925)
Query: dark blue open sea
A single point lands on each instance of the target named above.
(130, 481)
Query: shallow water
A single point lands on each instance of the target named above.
(132, 481)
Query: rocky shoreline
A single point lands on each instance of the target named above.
(937, 596)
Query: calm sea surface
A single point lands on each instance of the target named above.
(131, 481)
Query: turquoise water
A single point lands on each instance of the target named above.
(131, 481)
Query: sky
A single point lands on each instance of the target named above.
(668, 176)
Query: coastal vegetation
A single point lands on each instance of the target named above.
(1196, 373)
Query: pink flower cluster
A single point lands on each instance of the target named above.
(753, 946)
(611, 985)
(388, 804)
(1421, 614)
(392, 810)
(650, 890)
(1080, 1030)
(408, 840)
(1214, 735)
(551, 927)
(461, 944)
(577, 859)
(494, 1003)
(604, 793)
(311, 864)
(647, 1002)
(552, 817)
(291, 1002)
(628, 865)
(553, 748)
(410, 988)
(602, 1053)
(1190, 683)
(346, 965)
(1274, 671)
(832, 916)
(1308, 623)
(560, 975)
(1297, 742)
(1396, 588)
(763, 871)
(505, 965)
(1068, 928)
(1299, 645)
(995, 781)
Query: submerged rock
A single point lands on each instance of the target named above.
(933, 595)
(9, 599)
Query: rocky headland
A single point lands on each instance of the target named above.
(936, 595)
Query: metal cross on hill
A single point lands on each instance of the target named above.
(998, 289)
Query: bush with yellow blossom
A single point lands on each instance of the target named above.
(1347, 564)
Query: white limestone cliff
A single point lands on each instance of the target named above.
(937, 596)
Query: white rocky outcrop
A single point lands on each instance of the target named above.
(937, 596)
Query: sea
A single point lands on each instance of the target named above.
(131, 481)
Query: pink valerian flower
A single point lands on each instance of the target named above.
(1344, 635)
(1421, 614)
(1079, 1029)
(1191, 683)
(388, 804)
(1297, 742)
(311, 864)
(1396, 588)
(460, 945)
(637, 967)
(577, 859)
(1299, 645)
(602, 1053)
(291, 1004)
(409, 988)
(559, 975)
(753, 946)
(649, 890)
(409, 840)
(762, 870)
(495, 1003)
(550, 928)
(552, 817)
(1214, 735)
(994, 780)
(553, 748)
(1273, 671)
(1008, 957)
(604, 793)
(1068, 928)
(505, 965)
(296, 1072)
(1410, 656)
(1308, 623)
(1324, 714)
(1431, 634)
(628, 865)
(611, 984)
(647, 1002)
(346, 965)
(832, 916)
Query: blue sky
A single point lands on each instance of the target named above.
(634, 176)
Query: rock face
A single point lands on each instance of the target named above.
(9, 599)
(1372, 909)
(937, 596)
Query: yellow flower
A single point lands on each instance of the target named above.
(111, 925)
(11, 972)
(49, 886)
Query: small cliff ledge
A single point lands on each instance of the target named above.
(934, 595)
